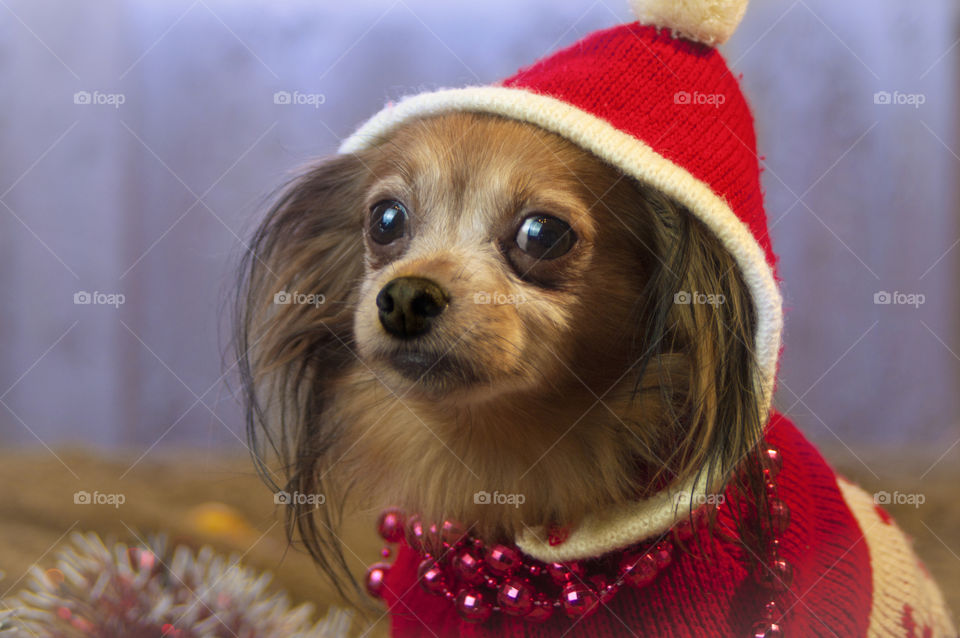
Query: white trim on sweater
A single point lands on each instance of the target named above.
(612, 530)
(898, 577)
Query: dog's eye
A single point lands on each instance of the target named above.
(545, 237)
(388, 220)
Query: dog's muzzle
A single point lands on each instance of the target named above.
(408, 305)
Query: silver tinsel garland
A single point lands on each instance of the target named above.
(150, 592)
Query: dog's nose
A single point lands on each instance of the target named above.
(408, 305)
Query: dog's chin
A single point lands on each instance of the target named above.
(432, 374)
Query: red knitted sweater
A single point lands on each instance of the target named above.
(854, 575)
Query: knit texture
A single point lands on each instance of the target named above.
(904, 594)
(711, 592)
(677, 96)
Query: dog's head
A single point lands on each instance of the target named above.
(474, 303)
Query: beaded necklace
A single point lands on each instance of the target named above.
(481, 581)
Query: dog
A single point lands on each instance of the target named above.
(558, 374)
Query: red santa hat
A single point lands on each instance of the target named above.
(657, 100)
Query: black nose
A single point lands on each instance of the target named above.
(408, 305)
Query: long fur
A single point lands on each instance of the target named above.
(591, 388)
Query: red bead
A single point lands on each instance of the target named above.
(468, 567)
(376, 574)
(502, 559)
(578, 600)
(663, 555)
(683, 531)
(431, 576)
(557, 535)
(778, 577)
(771, 611)
(390, 525)
(472, 607)
(453, 532)
(599, 584)
(541, 612)
(765, 629)
(562, 573)
(558, 573)
(515, 597)
(772, 461)
(638, 570)
(609, 592)
(779, 515)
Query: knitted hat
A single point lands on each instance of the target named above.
(655, 99)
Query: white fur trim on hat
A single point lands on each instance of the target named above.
(711, 22)
(635, 158)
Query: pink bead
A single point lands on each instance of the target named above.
(578, 600)
(779, 515)
(772, 461)
(472, 607)
(376, 574)
(638, 570)
(453, 532)
(541, 612)
(502, 559)
(385, 552)
(415, 533)
(515, 597)
(468, 567)
(431, 576)
(390, 525)
(765, 629)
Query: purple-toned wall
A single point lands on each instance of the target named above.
(152, 198)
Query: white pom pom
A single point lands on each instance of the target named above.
(709, 21)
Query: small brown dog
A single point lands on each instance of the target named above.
(499, 316)
(540, 320)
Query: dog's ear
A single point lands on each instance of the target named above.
(293, 333)
(698, 312)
